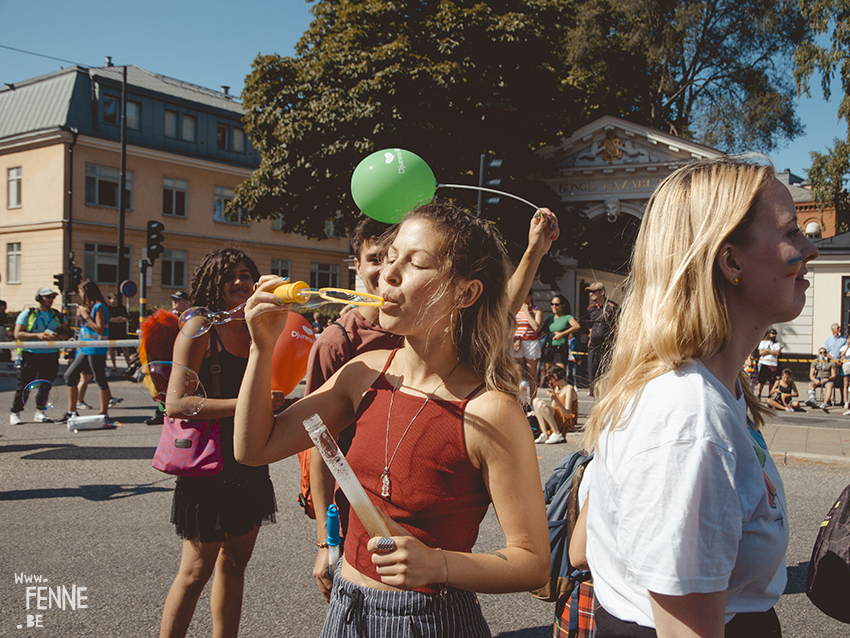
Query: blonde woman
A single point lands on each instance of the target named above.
(688, 527)
(439, 435)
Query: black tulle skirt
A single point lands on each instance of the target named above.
(207, 508)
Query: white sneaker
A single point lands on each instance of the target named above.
(14, 418)
(555, 438)
(84, 405)
(41, 417)
(542, 438)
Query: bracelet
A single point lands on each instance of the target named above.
(446, 561)
(321, 545)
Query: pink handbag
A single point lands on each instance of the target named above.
(189, 448)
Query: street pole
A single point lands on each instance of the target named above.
(123, 270)
(144, 264)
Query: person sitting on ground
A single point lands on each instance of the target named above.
(783, 392)
(561, 415)
(822, 374)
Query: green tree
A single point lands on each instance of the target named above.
(707, 70)
(452, 79)
(447, 80)
(829, 172)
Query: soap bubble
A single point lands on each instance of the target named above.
(40, 393)
(186, 393)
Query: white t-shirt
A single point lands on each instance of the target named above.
(769, 359)
(686, 499)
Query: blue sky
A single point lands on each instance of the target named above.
(213, 42)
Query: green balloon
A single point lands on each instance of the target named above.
(389, 183)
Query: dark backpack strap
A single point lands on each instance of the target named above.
(215, 368)
(347, 339)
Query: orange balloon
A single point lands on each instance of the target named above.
(289, 361)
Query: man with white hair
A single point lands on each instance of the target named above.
(834, 344)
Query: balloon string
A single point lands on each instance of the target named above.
(489, 190)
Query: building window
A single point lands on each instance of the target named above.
(330, 225)
(102, 187)
(324, 276)
(171, 119)
(112, 112)
(280, 267)
(100, 263)
(230, 138)
(174, 268)
(180, 126)
(13, 191)
(221, 198)
(238, 140)
(13, 263)
(174, 193)
(223, 136)
(277, 222)
(187, 128)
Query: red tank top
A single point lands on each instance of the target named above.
(436, 492)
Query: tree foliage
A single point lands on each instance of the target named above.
(452, 79)
(829, 172)
(447, 80)
(708, 70)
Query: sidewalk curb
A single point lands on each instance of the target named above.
(805, 458)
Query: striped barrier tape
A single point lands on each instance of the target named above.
(52, 345)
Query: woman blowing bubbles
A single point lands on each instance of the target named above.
(439, 432)
(687, 524)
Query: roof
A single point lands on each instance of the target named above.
(144, 79)
(62, 98)
(38, 104)
(837, 244)
(799, 194)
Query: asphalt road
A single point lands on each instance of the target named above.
(86, 510)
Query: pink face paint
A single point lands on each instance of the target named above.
(792, 266)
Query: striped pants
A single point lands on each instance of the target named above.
(363, 612)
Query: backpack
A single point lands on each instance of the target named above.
(828, 580)
(562, 507)
(305, 498)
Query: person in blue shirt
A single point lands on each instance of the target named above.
(93, 316)
(41, 323)
(834, 344)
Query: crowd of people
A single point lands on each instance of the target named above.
(426, 405)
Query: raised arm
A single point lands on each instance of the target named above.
(543, 230)
(259, 436)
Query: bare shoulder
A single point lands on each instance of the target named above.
(494, 420)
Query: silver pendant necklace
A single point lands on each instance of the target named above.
(388, 461)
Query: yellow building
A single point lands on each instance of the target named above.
(60, 154)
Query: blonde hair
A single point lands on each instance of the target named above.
(675, 297)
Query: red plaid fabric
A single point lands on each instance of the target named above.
(582, 598)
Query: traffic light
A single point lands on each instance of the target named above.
(155, 239)
(59, 281)
(489, 176)
(76, 277)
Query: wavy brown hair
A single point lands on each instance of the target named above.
(208, 275)
(472, 249)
